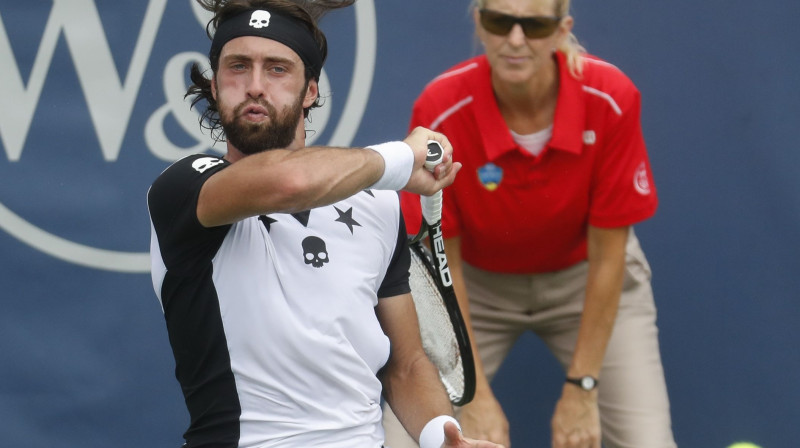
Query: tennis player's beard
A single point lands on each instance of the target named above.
(251, 138)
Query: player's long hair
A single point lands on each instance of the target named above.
(308, 12)
(573, 50)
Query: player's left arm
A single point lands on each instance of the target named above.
(576, 412)
(411, 383)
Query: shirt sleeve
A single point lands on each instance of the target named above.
(395, 282)
(623, 191)
(172, 203)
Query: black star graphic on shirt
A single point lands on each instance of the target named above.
(369, 192)
(347, 218)
(303, 217)
(267, 221)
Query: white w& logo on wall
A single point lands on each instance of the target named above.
(105, 98)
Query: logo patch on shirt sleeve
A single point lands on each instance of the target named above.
(640, 181)
(490, 176)
(589, 137)
(204, 164)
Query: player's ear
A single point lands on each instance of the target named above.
(312, 93)
(214, 87)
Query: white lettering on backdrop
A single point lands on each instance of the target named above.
(110, 100)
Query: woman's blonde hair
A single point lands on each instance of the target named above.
(571, 48)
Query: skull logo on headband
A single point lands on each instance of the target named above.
(259, 19)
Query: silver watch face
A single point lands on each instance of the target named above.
(587, 383)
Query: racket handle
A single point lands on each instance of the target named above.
(432, 205)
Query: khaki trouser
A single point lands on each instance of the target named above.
(634, 407)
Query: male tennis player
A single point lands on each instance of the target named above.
(282, 270)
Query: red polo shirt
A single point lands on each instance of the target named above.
(519, 213)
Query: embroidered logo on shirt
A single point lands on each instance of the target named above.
(589, 137)
(490, 176)
(640, 181)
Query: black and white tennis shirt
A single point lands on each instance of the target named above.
(271, 319)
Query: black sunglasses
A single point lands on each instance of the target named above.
(533, 27)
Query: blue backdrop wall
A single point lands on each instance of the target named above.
(91, 110)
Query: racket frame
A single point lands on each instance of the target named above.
(435, 261)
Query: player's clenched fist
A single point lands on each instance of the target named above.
(421, 180)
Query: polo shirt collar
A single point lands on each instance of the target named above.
(568, 121)
(570, 116)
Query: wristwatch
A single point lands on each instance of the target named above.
(586, 383)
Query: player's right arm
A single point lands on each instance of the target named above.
(295, 180)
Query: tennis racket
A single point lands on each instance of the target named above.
(444, 334)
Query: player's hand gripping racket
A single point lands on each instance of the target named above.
(444, 334)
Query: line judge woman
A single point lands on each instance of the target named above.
(538, 226)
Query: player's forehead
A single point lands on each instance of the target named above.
(258, 48)
(522, 8)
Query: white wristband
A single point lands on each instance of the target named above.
(398, 161)
(432, 435)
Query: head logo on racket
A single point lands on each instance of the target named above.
(441, 258)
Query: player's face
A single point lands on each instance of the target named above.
(261, 91)
(516, 58)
